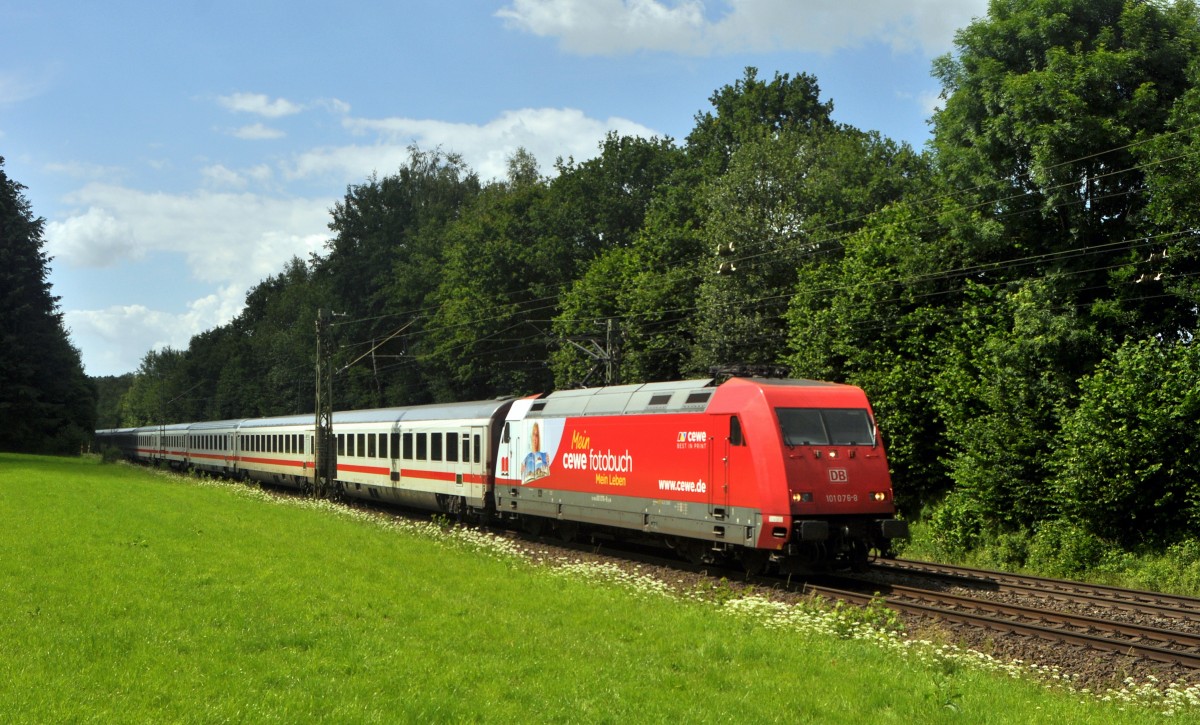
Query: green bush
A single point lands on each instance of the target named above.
(955, 525)
(1064, 549)
(1126, 463)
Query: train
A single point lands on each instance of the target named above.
(782, 474)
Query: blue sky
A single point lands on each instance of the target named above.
(180, 152)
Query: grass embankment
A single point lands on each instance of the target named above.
(129, 596)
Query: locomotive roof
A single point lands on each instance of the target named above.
(685, 395)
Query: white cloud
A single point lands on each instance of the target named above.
(16, 87)
(93, 238)
(610, 27)
(547, 133)
(930, 101)
(220, 177)
(257, 132)
(259, 104)
(119, 336)
(226, 238)
(84, 170)
(229, 241)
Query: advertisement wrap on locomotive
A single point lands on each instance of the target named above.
(790, 469)
(786, 474)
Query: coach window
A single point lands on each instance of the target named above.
(349, 444)
(395, 445)
(383, 445)
(300, 437)
(477, 458)
(362, 445)
(466, 449)
(408, 447)
(422, 446)
(435, 443)
(341, 444)
(370, 445)
(452, 447)
(735, 432)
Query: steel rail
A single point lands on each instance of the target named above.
(1132, 600)
(1098, 642)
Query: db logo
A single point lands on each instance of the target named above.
(838, 475)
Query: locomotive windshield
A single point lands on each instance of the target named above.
(825, 426)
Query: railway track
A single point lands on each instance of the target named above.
(1096, 617)
(1095, 633)
(1130, 600)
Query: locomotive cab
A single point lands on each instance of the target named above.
(823, 474)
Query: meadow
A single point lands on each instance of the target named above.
(130, 595)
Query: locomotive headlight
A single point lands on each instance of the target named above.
(805, 497)
(879, 496)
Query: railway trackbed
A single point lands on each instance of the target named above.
(1148, 603)
(1151, 626)
(1151, 643)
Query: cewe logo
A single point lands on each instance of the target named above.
(838, 475)
(691, 436)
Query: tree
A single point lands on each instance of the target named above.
(750, 110)
(161, 391)
(1045, 104)
(47, 404)
(1004, 378)
(785, 204)
(504, 262)
(109, 392)
(601, 208)
(1126, 467)
(384, 263)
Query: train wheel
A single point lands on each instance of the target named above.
(696, 551)
(567, 531)
(533, 525)
(859, 556)
(754, 561)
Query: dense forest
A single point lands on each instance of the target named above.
(47, 404)
(1019, 299)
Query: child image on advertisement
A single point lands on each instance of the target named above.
(537, 463)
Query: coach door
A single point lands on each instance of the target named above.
(310, 448)
(472, 463)
(394, 454)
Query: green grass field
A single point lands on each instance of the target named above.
(132, 596)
